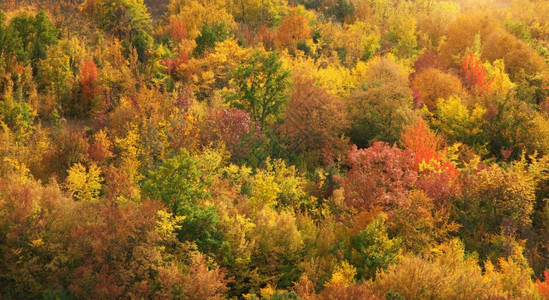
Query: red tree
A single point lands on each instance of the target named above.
(427, 147)
(543, 287)
(380, 176)
(231, 127)
(476, 75)
(88, 79)
(437, 172)
(177, 29)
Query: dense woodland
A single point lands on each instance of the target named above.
(274, 149)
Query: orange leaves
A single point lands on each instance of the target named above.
(293, 29)
(422, 141)
(476, 75)
(430, 156)
(434, 84)
(314, 119)
(543, 287)
(177, 29)
(88, 78)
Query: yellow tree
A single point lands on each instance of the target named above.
(196, 14)
(434, 84)
(84, 185)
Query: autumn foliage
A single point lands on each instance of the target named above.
(430, 153)
(396, 175)
(274, 149)
(475, 73)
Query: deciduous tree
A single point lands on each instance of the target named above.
(260, 85)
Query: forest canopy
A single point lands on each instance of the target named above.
(274, 149)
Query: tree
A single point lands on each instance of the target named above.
(180, 183)
(277, 248)
(196, 14)
(32, 36)
(257, 13)
(517, 54)
(201, 281)
(86, 97)
(430, 153)
(422, 224)
(499, 198)
(314, 119)
(124, 18)
(177, 29)
(84, 185)
(434, 84)
(371, 250)
(460, 124)
(128, 20)
(294, 29)
(231, 128)
(475, 73)
(209, 36)
(260, 85)
(379, 176)
(543, 287)
(342, 10)
(382, 106)
(449, 272)
(463, 33)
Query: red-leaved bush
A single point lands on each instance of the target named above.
(379, 176)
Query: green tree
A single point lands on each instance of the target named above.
(372, 249)
(209, 36)
(260, 86)
(382, 106)
(180, 183)
(32, 36)
(128, 20)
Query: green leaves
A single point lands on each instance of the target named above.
(177, 182)
(182, 185)
(372, 249)
(260, 87)
(209, 36)
(30, 36)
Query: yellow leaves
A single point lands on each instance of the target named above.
(535, 168)
(277, 185)
(343, 274)
(36, 243)
(228, 52)
(197, 13)
(541, 139)
(167, 225)
(501, 84)
(327, 73)
(267, 291)
(15, 168)
(55, 70)
(84, 185)
(129, 157)
(237, 175)
(264, 191)
(337, 80)
(459, 123)
(211, 160)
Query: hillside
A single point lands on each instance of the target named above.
(274, 149)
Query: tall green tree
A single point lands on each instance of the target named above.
(260, 86)
(128, 20)
(31, 36)
(180, 183)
